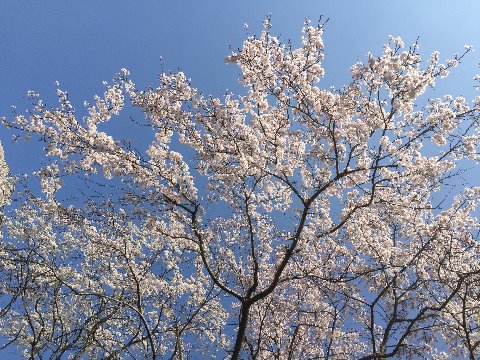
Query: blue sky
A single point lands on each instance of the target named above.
(82, 43)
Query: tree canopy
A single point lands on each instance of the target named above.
(293, 221)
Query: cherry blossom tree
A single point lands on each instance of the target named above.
(294, 221)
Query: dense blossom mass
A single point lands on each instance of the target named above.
(295, 221)
(5, 183)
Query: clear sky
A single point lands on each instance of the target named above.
(82, 43)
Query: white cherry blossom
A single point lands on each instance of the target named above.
(294, 221)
